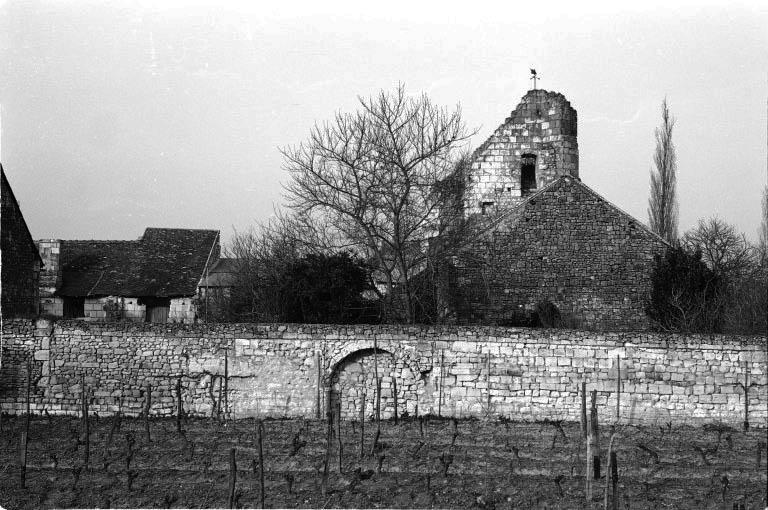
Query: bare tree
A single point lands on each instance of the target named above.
(722, 248)
(743, 295)
(261, 255)
(372, 176)
(662, 204)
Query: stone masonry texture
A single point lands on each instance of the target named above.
(542, 125)
(20, 259)
(567, 245)
(292, 370)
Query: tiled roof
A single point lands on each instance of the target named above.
(164, 262)
(10, 198)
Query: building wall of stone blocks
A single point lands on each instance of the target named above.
(50, 276)
(566, 245)
(543, 124)
(53, 306)
(20, 270)
(127, 309)
(182, 310)
(522, 374)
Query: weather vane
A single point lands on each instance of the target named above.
(534, 78)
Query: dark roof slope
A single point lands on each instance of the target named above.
(96, 267)
(164, 262)
(8, 197)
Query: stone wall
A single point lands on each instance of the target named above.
(542, 125)
(110, 308)
(50, 277)
(566, 245)
(274, 370)
(20, 261)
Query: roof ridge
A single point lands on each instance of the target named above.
(568, 178)
(182, 228)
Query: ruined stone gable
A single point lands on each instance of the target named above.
(567, 245)
(534, 146)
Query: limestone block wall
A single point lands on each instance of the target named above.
(543, 125)
(50, 276)
(182, 310)
(52, 305)
(297, 370)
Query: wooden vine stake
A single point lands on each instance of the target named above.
(440, 385)
(488, 380)
(362, 428)
(394, 395)
(179, 406)
(317, 384)
(378, 388)
(746, 399)
(147, 406)
(25, 432)
(85, 424)
(376, 436)
(584, 409)
(611, 479)
(226, 384)
(232, 477)
(593, 448)
(328, 444)
(618, 387)
(260, 442)
(338, 436)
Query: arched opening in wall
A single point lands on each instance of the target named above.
(527, 174)
(353, 385)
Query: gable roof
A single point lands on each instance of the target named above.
(513, 215)
(10, 198)
(164, 262)
(222, 274)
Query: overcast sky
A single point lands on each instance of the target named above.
(117, 116)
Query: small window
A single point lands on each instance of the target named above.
(528, 173)
(485, 207)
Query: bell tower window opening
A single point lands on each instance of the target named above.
(528, 173)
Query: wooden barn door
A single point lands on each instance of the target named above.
(158, 310)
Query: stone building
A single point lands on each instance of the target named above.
(152, 279)
(20, 259)
(534, 146)
(544, 246)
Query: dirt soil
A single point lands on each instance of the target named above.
(434, 463)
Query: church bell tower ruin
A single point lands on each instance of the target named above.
(534, 146)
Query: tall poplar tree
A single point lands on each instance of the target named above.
(762, 240)
(662, 204)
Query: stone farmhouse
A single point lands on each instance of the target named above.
(542, 239)
(152, 279)
(20, 260)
